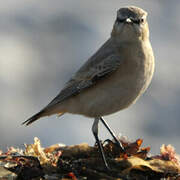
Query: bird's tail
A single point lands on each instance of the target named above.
(34, 118)
(42, 113)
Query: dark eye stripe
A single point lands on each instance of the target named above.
(136, 21)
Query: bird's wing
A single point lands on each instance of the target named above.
(103, 63)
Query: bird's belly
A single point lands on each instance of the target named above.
(112, 99)
(109, 96)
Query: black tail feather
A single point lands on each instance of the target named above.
(33, 118)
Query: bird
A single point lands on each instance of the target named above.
(112, 79)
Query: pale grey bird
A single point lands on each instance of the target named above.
(113, 78)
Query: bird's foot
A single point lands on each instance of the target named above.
(117, 144)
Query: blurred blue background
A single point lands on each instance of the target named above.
(42, 43)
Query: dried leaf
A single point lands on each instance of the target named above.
(53, 148)
(37, 151)
(72, 176)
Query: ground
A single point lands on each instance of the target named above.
(84, 162)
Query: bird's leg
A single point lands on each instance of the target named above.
(95, 133)
(112, 133)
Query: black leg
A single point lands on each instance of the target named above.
(112, 133)
(95, 133)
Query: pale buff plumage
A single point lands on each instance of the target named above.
(114, 77)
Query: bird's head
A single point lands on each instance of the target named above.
(131, 24)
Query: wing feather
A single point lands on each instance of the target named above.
(95, 69)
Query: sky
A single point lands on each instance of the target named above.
(42, 43)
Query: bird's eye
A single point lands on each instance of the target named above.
(142, 20)
(119, 20)
(138, 21)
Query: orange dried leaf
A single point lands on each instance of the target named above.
(139, 142)
(72, 175)
(133, 148)
(143, 152)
